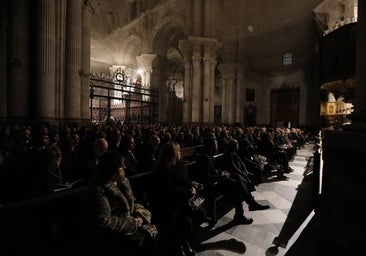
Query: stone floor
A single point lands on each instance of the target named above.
(289, 227)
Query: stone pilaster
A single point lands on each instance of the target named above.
(209, 18)
(240, 103)
(202, 51)
(73, 60)
(46, 76)
(343, 191)
(3, 61)
(185, 47)
(198, 12)
(231, 106)
(360, 87)
(18, 65)
(61, 6)
(87, 11)
(210, 46)
(207, 88)
(196, 89)
(224, 100)
(213, 65)
(187, 95)
(228, 92)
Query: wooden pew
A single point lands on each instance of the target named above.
(33, 223)
(189, 153)
(212, 195)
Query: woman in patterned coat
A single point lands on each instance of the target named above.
(114, 222)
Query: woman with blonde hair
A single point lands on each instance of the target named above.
(172, 188)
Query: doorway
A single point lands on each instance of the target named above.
(285, 107)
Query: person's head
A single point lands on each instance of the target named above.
(111, 165)
(127, 142)
(100, 147)
(154, 141)
(52, 156)
(210, 142)
(76, 138)
(232, 145)
(169, 154)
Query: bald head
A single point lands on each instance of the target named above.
(100, 146)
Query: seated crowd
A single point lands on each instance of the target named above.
(103, 157)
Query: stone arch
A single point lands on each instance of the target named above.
(130, 48)
(166, 34)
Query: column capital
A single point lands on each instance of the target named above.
(144, 61)
(88, 6)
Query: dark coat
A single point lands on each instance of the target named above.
(171, 191)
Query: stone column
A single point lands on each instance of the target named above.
(228, 92)
(85, 61)
(224, 100)
(61, 6)
(187, 95)
(73, 60)
(18, 65)
(196, 79)
(46, 77)
(160, 87)
(232, 88)
(144, 62)
(185, 46)
(3, 60)
(209, 63)
(213, 64)
(360, 87)
(240, 103)
(196, 89)
(207, 88)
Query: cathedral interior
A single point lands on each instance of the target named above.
(278, 63)
(248, 62)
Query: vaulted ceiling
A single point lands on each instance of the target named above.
(252, 31)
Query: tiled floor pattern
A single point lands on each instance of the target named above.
(290, 212)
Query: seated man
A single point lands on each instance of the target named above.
(234, 189)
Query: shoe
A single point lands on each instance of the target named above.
(241, 219)
(258, 207)
(180, 251)
(188, 249)
(289, 170)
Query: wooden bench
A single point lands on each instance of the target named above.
(189, 153)
(213, 196)
(34, 222)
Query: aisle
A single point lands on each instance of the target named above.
(291, 211)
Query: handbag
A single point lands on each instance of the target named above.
(196, 201)
(149, 229)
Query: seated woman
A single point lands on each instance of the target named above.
(171, 192)
(114, 222)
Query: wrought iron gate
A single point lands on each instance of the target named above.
(120, 102)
